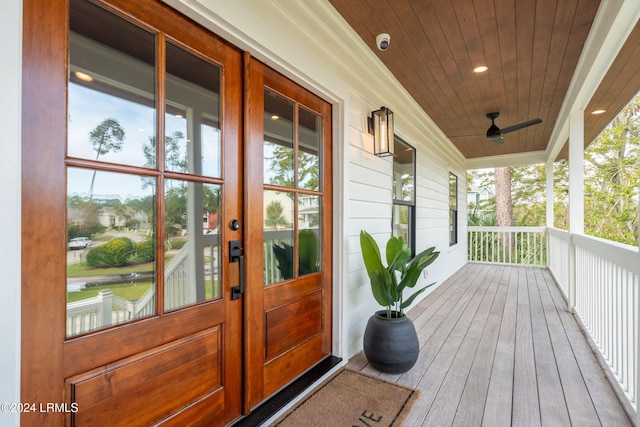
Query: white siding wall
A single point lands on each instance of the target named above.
(369, 208)
(10, 86)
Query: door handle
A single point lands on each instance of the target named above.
(235, 255)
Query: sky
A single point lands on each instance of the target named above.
(88, 108)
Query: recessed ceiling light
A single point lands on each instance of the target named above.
(83, 76)
(480, 69)
(598, 111)
(275, 117)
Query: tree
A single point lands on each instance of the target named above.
(528, 188)
(504, 204)
(175, 206)
(108, 136)
(83, 217)
(274, 216)
(612, 164)
(176, 160)
(283, 167)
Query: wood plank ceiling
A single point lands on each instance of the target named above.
(531, 49)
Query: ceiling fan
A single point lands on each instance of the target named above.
(494, 133)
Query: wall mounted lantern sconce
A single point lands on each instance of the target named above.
(381, 126)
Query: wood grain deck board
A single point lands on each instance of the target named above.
(499, 348)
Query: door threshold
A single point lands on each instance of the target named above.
(281, 399)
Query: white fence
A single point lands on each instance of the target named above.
(507, 245)
(270, 268)
(107, 309)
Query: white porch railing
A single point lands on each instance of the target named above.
(606, 301)
(93, 313)
(508, 245)
(270, 267)
(559, 258)
(176, 279)
(107, 309)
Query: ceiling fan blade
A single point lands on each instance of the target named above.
(464, 136)
(520, 126)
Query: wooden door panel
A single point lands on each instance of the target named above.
(282, 293)
(145, 388)
(83, 354)
(288, 366)
(205, 412)
(290, 324)
(288, 317)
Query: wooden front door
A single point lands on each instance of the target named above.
(132, 167)
(158, 166)
(289, 205)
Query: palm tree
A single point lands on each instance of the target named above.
(274, 216)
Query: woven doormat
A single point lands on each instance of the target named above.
(350, 398)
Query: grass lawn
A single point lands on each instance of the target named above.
(129, 292)
(80, 269)
(126, 291)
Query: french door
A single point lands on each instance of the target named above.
(288, 205)
(176, 252)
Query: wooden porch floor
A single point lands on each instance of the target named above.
(499, 348)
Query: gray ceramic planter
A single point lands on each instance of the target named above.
(391, 344)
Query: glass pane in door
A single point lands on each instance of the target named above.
(192, 120)
(111, 249)
(278, 140)
(192, 243)
(112, 92)
(309, 234)
(309, 150)
(278, 236)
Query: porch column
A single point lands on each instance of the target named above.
(576, 193)
(550, 207)
(550, 194)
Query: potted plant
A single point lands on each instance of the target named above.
(390, 339)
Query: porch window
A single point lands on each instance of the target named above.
(404, 197)
(453, 209)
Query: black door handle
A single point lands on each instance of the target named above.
(235, 255)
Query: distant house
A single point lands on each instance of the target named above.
(476, 195)
(109, 218)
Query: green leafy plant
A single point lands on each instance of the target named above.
(402, 271)
(307, 255)
(114, 253)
